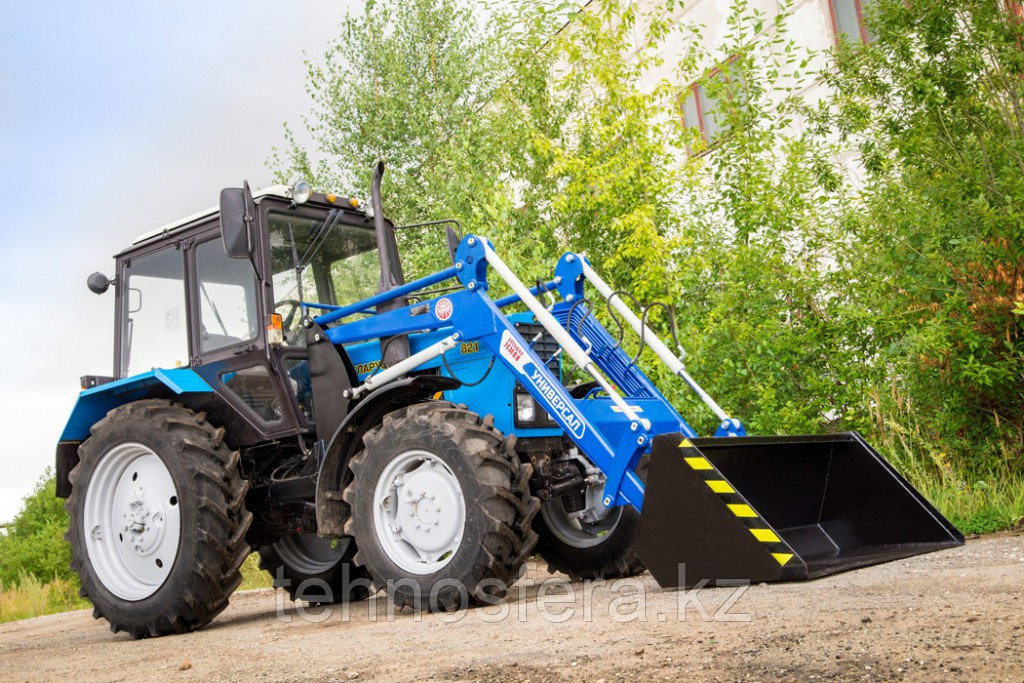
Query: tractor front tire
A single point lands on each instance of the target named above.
(157, 519)
(441, 508)
(605, 550)
(316, 570)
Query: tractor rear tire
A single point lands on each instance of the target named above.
(157, 519)
(439, 467)
(316, 570)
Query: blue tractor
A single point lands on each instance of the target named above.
(279, 386)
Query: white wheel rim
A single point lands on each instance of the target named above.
(577, 533)
(309, 554)
(132, 521)
(419, 514)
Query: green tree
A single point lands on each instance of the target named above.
(579, 143)
(405, 83)
(580, 147)
(762, 299)
(813, 290)
(934, 105)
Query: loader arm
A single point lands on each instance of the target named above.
(609, 431)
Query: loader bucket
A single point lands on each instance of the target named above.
(778, 509)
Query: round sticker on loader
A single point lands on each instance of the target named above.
(443, 309)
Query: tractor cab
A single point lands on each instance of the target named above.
(226, 293)
(185, 302)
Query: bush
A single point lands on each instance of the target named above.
(34, 544)
(30, 597)
(35, 572)
(934, 106)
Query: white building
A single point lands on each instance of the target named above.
(815, 25)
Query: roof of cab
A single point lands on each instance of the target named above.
(171, 228)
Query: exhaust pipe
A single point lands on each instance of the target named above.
(395, 349)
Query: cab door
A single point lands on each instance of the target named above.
(229, 338)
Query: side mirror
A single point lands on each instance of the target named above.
(237, 213)
(98, 283)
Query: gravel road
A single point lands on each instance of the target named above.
(956, 614)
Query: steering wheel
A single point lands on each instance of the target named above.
(287, 320)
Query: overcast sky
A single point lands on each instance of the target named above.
(117, 117)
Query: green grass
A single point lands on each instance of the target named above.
(30, 597)
(977, 508)
(974, 503)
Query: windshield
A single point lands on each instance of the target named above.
(338, 262)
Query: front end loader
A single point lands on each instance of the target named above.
(279, 386)
(726, 508)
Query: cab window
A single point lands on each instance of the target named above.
(154, 328)
(227, 297)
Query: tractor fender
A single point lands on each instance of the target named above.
(95, 402)
(348, 438)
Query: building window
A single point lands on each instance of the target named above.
(848, 20)
(703, 111)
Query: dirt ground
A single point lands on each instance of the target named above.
(953, 614)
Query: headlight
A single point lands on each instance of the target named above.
(301, 190)
(525, 408)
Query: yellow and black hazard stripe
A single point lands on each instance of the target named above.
(737, 504)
